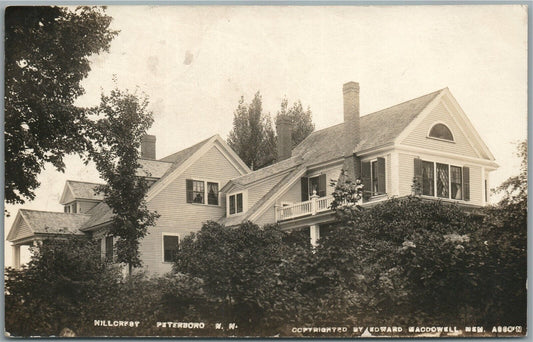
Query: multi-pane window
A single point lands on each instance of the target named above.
(443, 180)
(199, 191)
(428, 182)
(373, 176)
(235, 204)
(212, 193)
(170, 247)
(456, 179)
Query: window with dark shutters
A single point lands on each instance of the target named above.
(322, 185)
(109, 248)
(443, 180)
(190, 196)
(381, 176)
(366, 178)
(305, 188)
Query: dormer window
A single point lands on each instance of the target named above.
(441, 132)
(236, 203)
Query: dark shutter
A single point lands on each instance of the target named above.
(357, 166)
(322, 185)
(109, 248)
(305, 189)
(466, 183)
(417, 177)
(381, 176)
(365, 177)
(189, 191)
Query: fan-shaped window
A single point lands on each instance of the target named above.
(440, 131)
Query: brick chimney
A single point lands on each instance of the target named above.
(350, 93)
(148, 147)
(284, 130)
(352, 131)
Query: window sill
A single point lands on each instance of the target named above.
(439, 139)
(206, 205)
(444, 199)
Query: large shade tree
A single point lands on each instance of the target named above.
(47, 50)
(123, 121)
(253, 137)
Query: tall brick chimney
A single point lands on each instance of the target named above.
(284, 130)
(350, 93)
(148, 147)
(352, 130)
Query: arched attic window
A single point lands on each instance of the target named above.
(441, 131)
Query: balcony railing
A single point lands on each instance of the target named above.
(312, 207)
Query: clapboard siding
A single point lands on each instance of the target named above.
(406, 171)
(256, 192)
(418, 137)
(24, 230)
(178, 216)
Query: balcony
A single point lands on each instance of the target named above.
(311, 207)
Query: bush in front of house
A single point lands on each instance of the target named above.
(63, 286)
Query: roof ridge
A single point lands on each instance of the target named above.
(404, 102)
(51, 212)
(157, 160)
(186, 148)
(76, 181)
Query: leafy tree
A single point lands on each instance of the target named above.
(252, 136)
(302, 122)
(65, 285)
(506, 229)
(118, 134)
(250, 274)
(46, 57)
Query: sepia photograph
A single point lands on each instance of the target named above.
(275, 171)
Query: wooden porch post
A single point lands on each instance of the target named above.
(16, 256)
(314, 232)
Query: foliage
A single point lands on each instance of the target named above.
(346, 194)
(46, 57)
(302, 123)
(397, 261)
(118, 134)
(65, 284)
(252, 136)
(251, 275)
(514, 189)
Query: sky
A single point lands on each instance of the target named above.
(195, 62)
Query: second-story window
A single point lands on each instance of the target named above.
(202, 192)
(235, 204)
(443, 180)
(373, 177)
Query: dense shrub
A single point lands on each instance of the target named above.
(63, 286)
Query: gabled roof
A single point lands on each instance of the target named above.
(80, 190)
(166, 169)
(287, 179)
(153, 168)
(46, 222)
(377, 129)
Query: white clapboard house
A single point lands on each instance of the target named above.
(428, 138)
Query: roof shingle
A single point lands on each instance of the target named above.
(54, 222)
